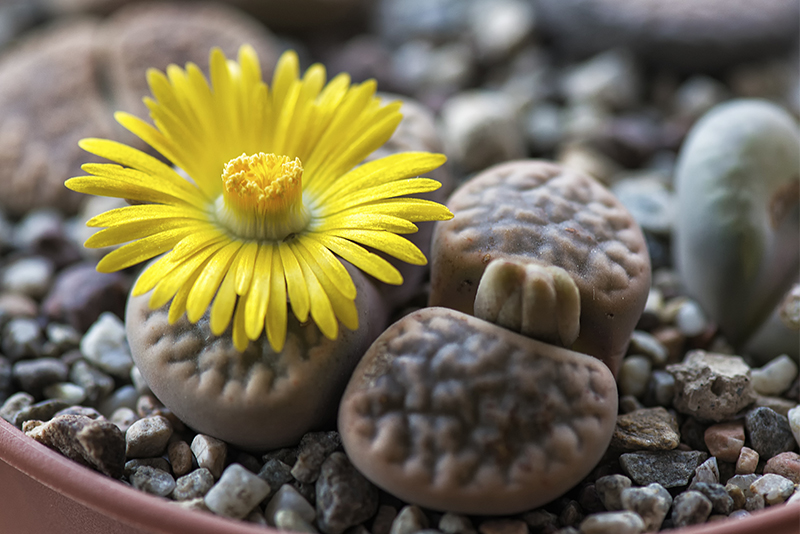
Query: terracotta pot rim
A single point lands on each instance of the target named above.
(125, 504)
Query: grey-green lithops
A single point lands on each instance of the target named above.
(737, 233)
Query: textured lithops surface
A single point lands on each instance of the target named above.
(455, 413)
(737, 234)
(256, 399)
(539, 212)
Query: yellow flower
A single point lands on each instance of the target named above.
(273, 192)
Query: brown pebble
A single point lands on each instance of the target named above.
(725, 440)
(428, 416)
(95, 443)
(652, 429)
(786, 464)
(180, 457)
(747, 462)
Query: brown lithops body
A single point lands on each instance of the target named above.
(255, 399)
(543, 213)
(455, 413)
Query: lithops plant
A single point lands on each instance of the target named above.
(541, 213)
(737, 232)
(258, 398)
(452, 412)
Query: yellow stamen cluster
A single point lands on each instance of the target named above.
(263, 196)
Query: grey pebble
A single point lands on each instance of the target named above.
(690, 319)
(85, 411)
(625, 522)
(650, 202)
(40, 411)
(651, 502)
(571, 514)
(210, 453)
(634, 374)
(312, 451)
(156, 463)
(152, 480)
(65, 391)
(33, 375)
(409, 519)
(236, 493)
(29, 276)
(451, 523)
(276, 473)
(180, 457)
(707, 472)
(6, 380)
(661, 388)
(14, 404)
(22, 338)
(97, 384)
(690, 508)
(148, 437)
(193, 485)
(65, 337)
(288, 498)
(293, 521)
(769, 432)
(668, 468)
(609, 490)
(105, 346)
(646, 344)
(124, 397)
(721, 502)
(123, 417)
(344, 497)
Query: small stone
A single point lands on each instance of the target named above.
(503, 526)
(711, 386)
(775, 377)
(651, 503)
(123, 417)
(148, 437)
(769, 432)
(22, 338)
(451, 523)
(571, 514)
(294, 522)
(236, 493)
(85, 411)
(193, 485)
(794, 423)
(690, 319)
(97, 384)
(344, 497)
(28, 276)
(288, 498)
(96, 443)
(775, 489)
(256, 517)
(747, 461)
(634, 375)
(409, 520)
(40, 411)
(721, 502)
(136, 463)
(610, 79)
(786, 464)
(698, 94)
(276, 473)
(540, 520)
(609, 489)
(180, 457)
(707, 472)
(480, 129)
(648, 345)
(65, 391)
(668, 468)
(661, 389)
(779, 405)
(739, 514)
(210, 453)
(80, 295)
(652, 429)
(198, 504)
(63, 336)
(652, 204)
(14, 404)
(690, 508)
(313, 449)
(13, 305)
(625, 522)
(384, 517)
(105, 346)
(33, 375)
(629, 404)
(589, 500)
(153, 481)
(725, 440)
(499, 28)
(737, 495)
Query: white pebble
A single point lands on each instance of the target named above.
(634, 375)
(794, 422)
(288, 498)
(690, 319)
(29, 276)
(775, 489)
(105, 346)
(613, 523)
(775, 377)
(210, 453)
(237, 492)
(65, 391)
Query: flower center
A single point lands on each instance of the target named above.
(262, 196)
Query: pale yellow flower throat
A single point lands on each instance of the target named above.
(262, 197)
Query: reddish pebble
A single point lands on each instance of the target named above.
(747, 461)
(725, 440)
(786, 464)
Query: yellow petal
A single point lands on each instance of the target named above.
(240, 340)
(259, 294)
(368, 262)
(224, 303)
(143, 249)
(295, 283)
(209, 280)
(397, 188)
(189, 268)
(276, 312)
(331, 265)
(178, 305)
(387, 242)
(321, 310)
(365, 221)
(410, 209)
(245, 261)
